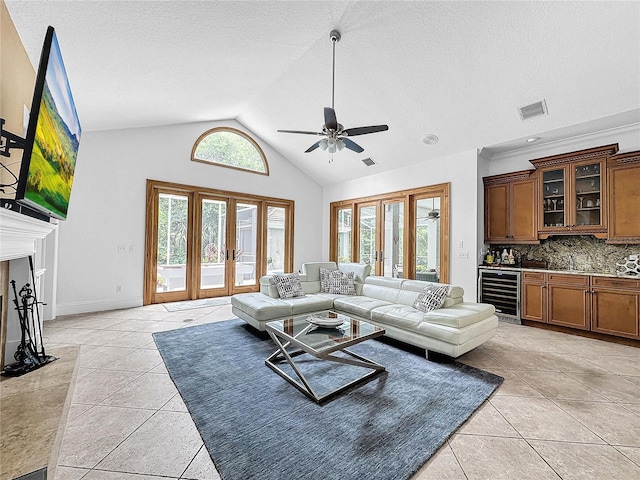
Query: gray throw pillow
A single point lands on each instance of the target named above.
(432, 297)
(288, 285)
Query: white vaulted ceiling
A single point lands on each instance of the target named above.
(455, 69)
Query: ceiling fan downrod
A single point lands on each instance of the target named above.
(335, 37)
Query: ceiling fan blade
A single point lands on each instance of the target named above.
(352, 132)
(351, 145)
(330, 120)
(313, 147)
(304, 132)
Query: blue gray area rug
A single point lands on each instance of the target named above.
(257, 426)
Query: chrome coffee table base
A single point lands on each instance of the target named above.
(302, 383)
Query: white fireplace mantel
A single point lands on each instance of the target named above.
(19, 234)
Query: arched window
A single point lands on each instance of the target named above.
(231, 148)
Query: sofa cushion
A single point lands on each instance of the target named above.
(454, 297)
(382, 288)
(457, 336)
(308, 303)
(431, 298)
(288, 285)
(261, 307)
(358, 305)
(312, 269)
(401, 316)
(360, 270)
(460, 315)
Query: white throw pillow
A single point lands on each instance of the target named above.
(432, 297)
(288, 285)
(339, 283)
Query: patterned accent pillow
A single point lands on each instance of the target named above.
(324, 279)
(340, 283)
(432, 297)
(288, 285)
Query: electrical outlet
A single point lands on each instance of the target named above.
(460, 244)
(464, 255)
(122, 248)
(118, 288)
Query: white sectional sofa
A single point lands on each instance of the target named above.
(452, 330)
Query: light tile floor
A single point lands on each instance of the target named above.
(569, 407)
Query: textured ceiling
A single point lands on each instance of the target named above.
(455, 69)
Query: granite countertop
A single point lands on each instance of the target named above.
(546, 270)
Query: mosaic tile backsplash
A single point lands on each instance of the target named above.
(589, 254)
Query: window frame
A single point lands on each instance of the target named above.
(236, 131)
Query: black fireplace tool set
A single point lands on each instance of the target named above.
(30, 354)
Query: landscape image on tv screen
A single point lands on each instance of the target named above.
(55, 147)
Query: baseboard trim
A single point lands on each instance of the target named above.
(583, 333)
(97, 306)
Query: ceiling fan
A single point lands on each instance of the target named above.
(336, 136)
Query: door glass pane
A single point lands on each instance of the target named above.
(172, 243)
(368, 235)
(246, 244)
(427, 247)
(588, 194)
(344, 235)
(213, 234)
(553, 198)
(393, 239)
(276, 247)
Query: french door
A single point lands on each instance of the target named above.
(229, 246)
(380, 236)
(401, 234)
(204, 243)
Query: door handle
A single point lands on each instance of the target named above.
(226, 257)
(233, 255)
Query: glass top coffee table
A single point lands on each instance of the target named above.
(321, 335)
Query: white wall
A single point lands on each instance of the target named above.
(107, 208)
(461, 171)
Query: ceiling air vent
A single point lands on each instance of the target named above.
(534, 110)
(368, 162)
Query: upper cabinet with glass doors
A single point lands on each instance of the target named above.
(573, 193)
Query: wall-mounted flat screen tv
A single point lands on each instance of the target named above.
(52, 139)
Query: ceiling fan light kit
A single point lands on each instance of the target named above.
(335, 134)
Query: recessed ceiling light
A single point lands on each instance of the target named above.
(532, 139)
(430, 139)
